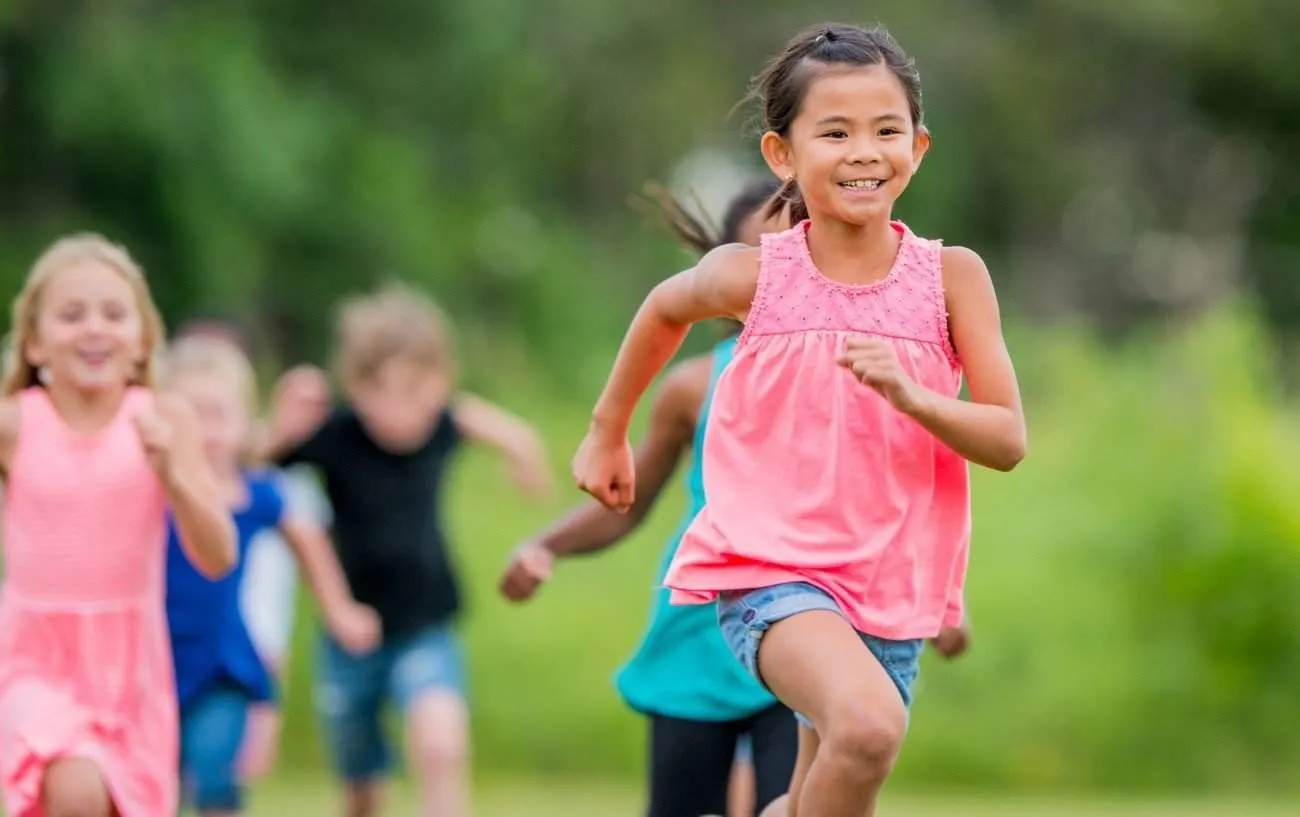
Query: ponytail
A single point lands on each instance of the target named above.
(689, 229)
(788, 197)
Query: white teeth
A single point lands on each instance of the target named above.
(862, 184)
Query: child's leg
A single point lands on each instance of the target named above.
(809, 656)
(775, 737)
(690, 764)
(349, 691)
(73, 787)
(426, 681)
(807, 752)
(261, 742)
(212, 730)
(740, 789)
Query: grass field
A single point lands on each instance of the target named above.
(313, 797)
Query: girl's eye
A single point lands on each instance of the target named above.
(835, 134)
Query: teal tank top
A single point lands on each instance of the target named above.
(683, 668)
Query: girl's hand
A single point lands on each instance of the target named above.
(875, 363)
(603, 467)
(158, 438)
(952, 641)
(530, 566)
(356, 627)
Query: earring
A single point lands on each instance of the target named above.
(43, 375)
(789, 177)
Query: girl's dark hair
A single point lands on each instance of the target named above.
(783, 84)
(690, 229)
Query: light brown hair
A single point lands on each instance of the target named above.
(395, 322)
(68, 251)
(214, 357)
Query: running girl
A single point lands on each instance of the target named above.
(92, 460)
(220, 676)
(836, 531)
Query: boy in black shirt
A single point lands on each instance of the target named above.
(383, 456)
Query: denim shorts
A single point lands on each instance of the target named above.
(351, 691)
(212, 731)
(746, 614)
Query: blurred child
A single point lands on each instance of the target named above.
(384, 455)
(92, 459)
(268, 591)
(836, 462)
(700, 701)
(219, 673)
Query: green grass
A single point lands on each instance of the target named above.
(312, 796)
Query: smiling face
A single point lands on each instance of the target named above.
(87, 331)
(852, 146)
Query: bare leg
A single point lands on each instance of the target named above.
(438, 732)
(817, 665)
(740, 790)
(74, 787)
(363, 798)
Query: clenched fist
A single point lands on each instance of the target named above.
(530, 566)
(356, 627)
(604, 468)
(300, 402)
(158, 438)
(875, 363)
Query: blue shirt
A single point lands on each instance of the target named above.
(683, 667)
(210, 641)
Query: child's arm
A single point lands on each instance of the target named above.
(356, 626)
(171, 438)
(988, 429)
(592, 527)
(721, 285)
(9, 418)
(300, 402)
(516, 440)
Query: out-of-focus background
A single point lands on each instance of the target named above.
(1130, 169)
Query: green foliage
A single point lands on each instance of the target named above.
(1133, 587)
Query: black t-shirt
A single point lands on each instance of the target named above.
(387, 522)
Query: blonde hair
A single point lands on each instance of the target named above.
(395, 322)
(68, 251)
(213, 357)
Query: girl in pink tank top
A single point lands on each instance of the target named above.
(92, 461)
(837, 519)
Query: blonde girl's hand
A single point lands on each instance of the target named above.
(603, 467)
(874, 362)
(158, 438)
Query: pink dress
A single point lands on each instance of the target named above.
(811, 476)
(85, 662)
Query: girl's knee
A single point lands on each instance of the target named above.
(868, 737)
(75, 788)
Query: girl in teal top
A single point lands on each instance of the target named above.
(698, 697)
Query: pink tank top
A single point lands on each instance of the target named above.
(811, 476)
(84, 514)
